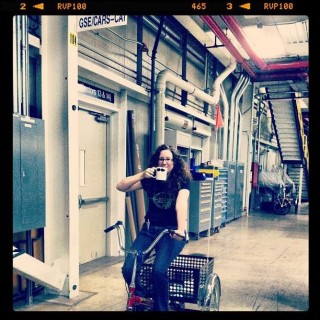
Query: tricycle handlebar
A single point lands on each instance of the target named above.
(113, 227)
(152, 245)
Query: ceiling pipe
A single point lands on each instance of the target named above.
(228, 44)
(225, 122)
(235, 53)
(234, 27)
(165, 76)
(217, 82)
(281, 77)
(25, 66)
(240, 36)
(17, 65)
(237, 121)
(232, 113)
(153, 73)
(217, 88)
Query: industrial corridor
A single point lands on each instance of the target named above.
(262, 261)
(225, 98)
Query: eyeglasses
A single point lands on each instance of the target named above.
(165, 159)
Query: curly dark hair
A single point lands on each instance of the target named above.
(180, 172)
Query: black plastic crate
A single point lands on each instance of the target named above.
(186, 274)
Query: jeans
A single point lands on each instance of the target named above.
(167, 249)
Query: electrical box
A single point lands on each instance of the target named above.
(255, 174)
(28, 173)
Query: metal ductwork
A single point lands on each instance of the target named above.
(167, 76)
(176, 121)
(225, 125)
(233, 112)
(217, 82)
(161, 84)
(201, 129)
(180, 122)
(236, 132)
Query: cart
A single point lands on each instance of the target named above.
(191, 280)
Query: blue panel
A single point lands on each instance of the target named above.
(29, 174)
(16, 174)
(239, 189)
(231, 166)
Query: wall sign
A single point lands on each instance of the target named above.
(97, 22)
(95, 92)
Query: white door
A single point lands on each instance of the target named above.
(92, 188)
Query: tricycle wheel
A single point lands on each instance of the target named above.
(211, 300)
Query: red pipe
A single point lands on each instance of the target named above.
(233, 25)
(287, 65)
(235, 53)
(280, 77)
(228, 44)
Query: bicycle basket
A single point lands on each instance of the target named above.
(187, 273)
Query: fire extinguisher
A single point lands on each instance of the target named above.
(255, 174)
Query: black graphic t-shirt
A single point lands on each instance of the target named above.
(162, 202)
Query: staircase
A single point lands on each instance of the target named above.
(288, 125)
(294, 173)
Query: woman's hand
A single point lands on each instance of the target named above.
(180, 235)
(149, 173)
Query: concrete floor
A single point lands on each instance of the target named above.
(262, 261)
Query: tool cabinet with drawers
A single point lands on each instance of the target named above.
(216, 206)
(223, 178)
(200, 208)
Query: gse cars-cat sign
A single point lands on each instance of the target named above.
(97, 22)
